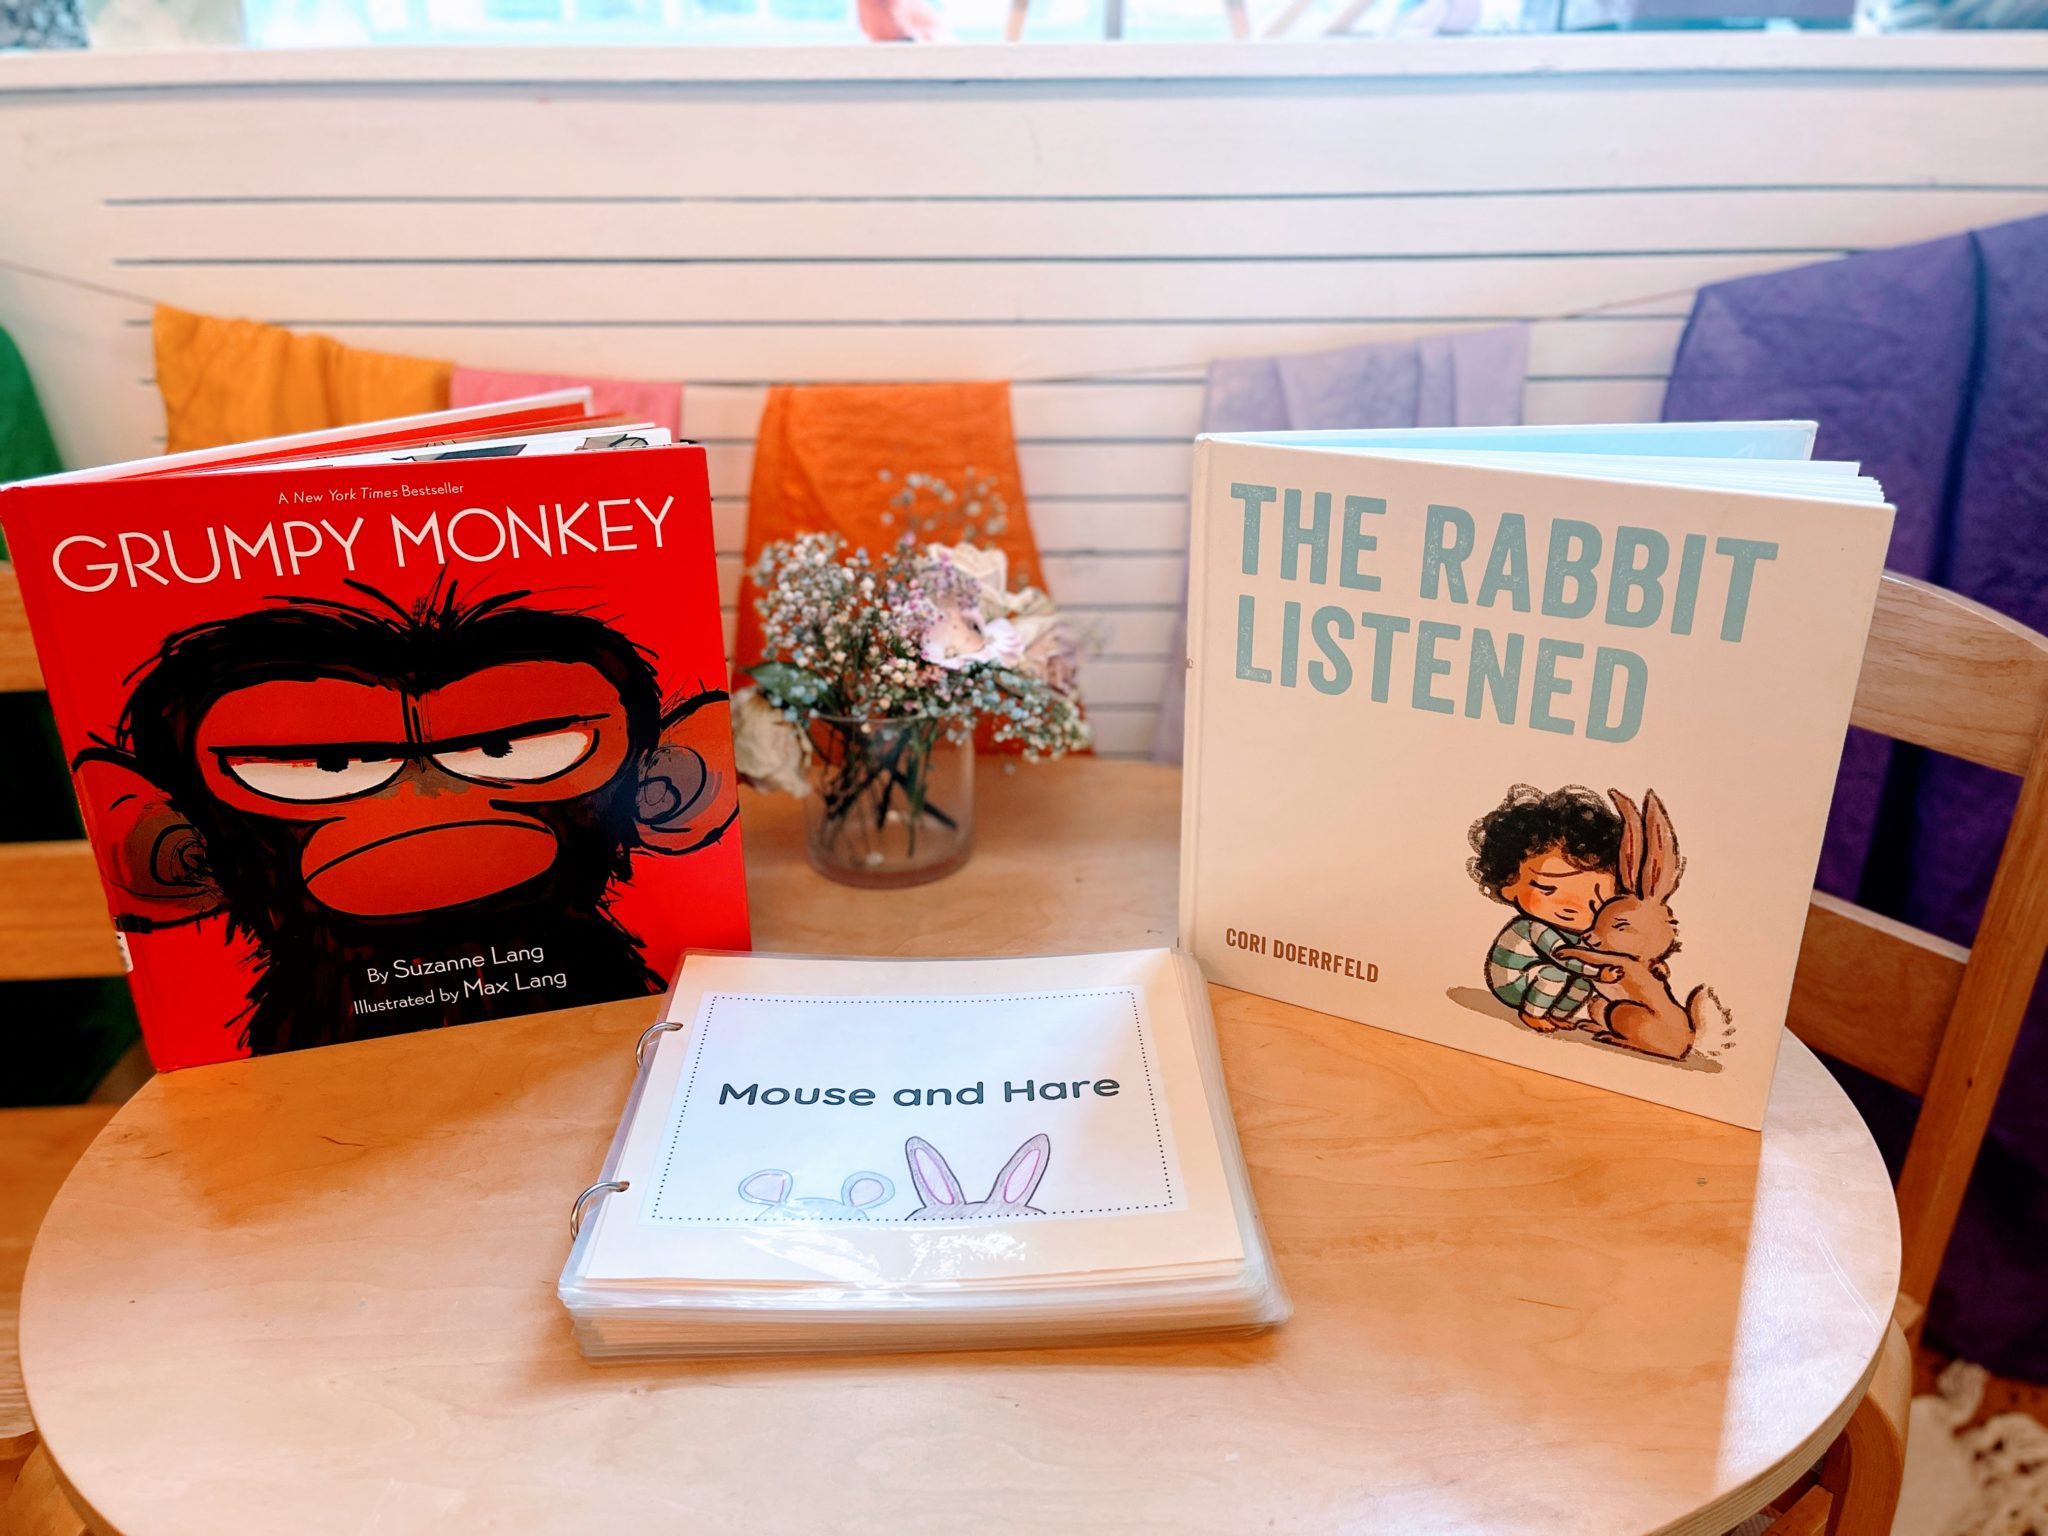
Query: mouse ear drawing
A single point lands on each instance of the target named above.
(1020, 1177)
(936, 1186)
(768, 1187)
(864, 1189)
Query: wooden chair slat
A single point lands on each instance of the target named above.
(53, 914)
(1808, 1517)
(1951, 675)
(38, 1504)
(1991, 1004)
(1873, 992)
(19, 670)
(1863, 1469)
(37, 1148)
(1943, 672)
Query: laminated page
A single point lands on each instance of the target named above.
(920, 1122)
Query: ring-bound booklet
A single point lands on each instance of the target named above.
(832, 1154)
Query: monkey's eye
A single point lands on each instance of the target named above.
(323, 776)
(521, 759)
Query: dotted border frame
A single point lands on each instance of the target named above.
(1129, 994)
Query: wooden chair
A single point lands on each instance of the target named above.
(1948, 674)
(53, 924)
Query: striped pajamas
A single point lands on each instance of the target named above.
(1525, 972)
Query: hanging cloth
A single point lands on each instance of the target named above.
(660, 404)
(26, 447)
(873, 462)
(231, 381)
(1463, 379)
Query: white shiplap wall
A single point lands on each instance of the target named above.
(1092, 223)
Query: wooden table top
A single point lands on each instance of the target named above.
(316, 1293)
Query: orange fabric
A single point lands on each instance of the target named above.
(229, 381)
(839, 458)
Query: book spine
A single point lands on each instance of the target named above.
(1191, 681)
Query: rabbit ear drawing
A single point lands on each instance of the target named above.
(864, 1189)
(935, 1183)
(1661, 863)
(768, 1187)
(1018, 1181)
(1629, 865)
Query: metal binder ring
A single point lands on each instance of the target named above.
(602, 1186)
(647, 1034)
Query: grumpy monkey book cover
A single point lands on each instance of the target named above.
(367, 749)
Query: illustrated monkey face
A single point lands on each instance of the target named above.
(317, 760)
(412, 801)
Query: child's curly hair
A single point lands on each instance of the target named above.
(1573, 820)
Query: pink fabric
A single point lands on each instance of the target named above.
(661, 404)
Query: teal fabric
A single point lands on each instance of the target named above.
(35, 797)
(26, 447)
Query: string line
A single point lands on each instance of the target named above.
(1588, 312)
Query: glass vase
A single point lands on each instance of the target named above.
(891, 802)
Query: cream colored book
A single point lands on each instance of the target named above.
(1522, 740)
(838, 1153)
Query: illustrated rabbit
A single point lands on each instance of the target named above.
(1633, 932)
(944, 1200)
(771, 1186)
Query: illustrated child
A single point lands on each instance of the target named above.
(1552, 857)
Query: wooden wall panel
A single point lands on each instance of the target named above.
(1094, 225)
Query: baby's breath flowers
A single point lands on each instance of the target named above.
(933, 634)
(931, 640)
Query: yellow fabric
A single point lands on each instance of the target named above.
(230, 381)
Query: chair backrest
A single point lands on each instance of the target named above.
(53, 912)
(1948, 674)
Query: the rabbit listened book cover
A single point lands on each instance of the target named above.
(1523, 742)
(906, 1123)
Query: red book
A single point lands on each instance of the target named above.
(370, 748)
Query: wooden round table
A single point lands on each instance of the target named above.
(316, 1293)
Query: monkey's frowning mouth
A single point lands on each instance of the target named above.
(429, 868)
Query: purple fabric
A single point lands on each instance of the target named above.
(1930, 364)
(1459, 379)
